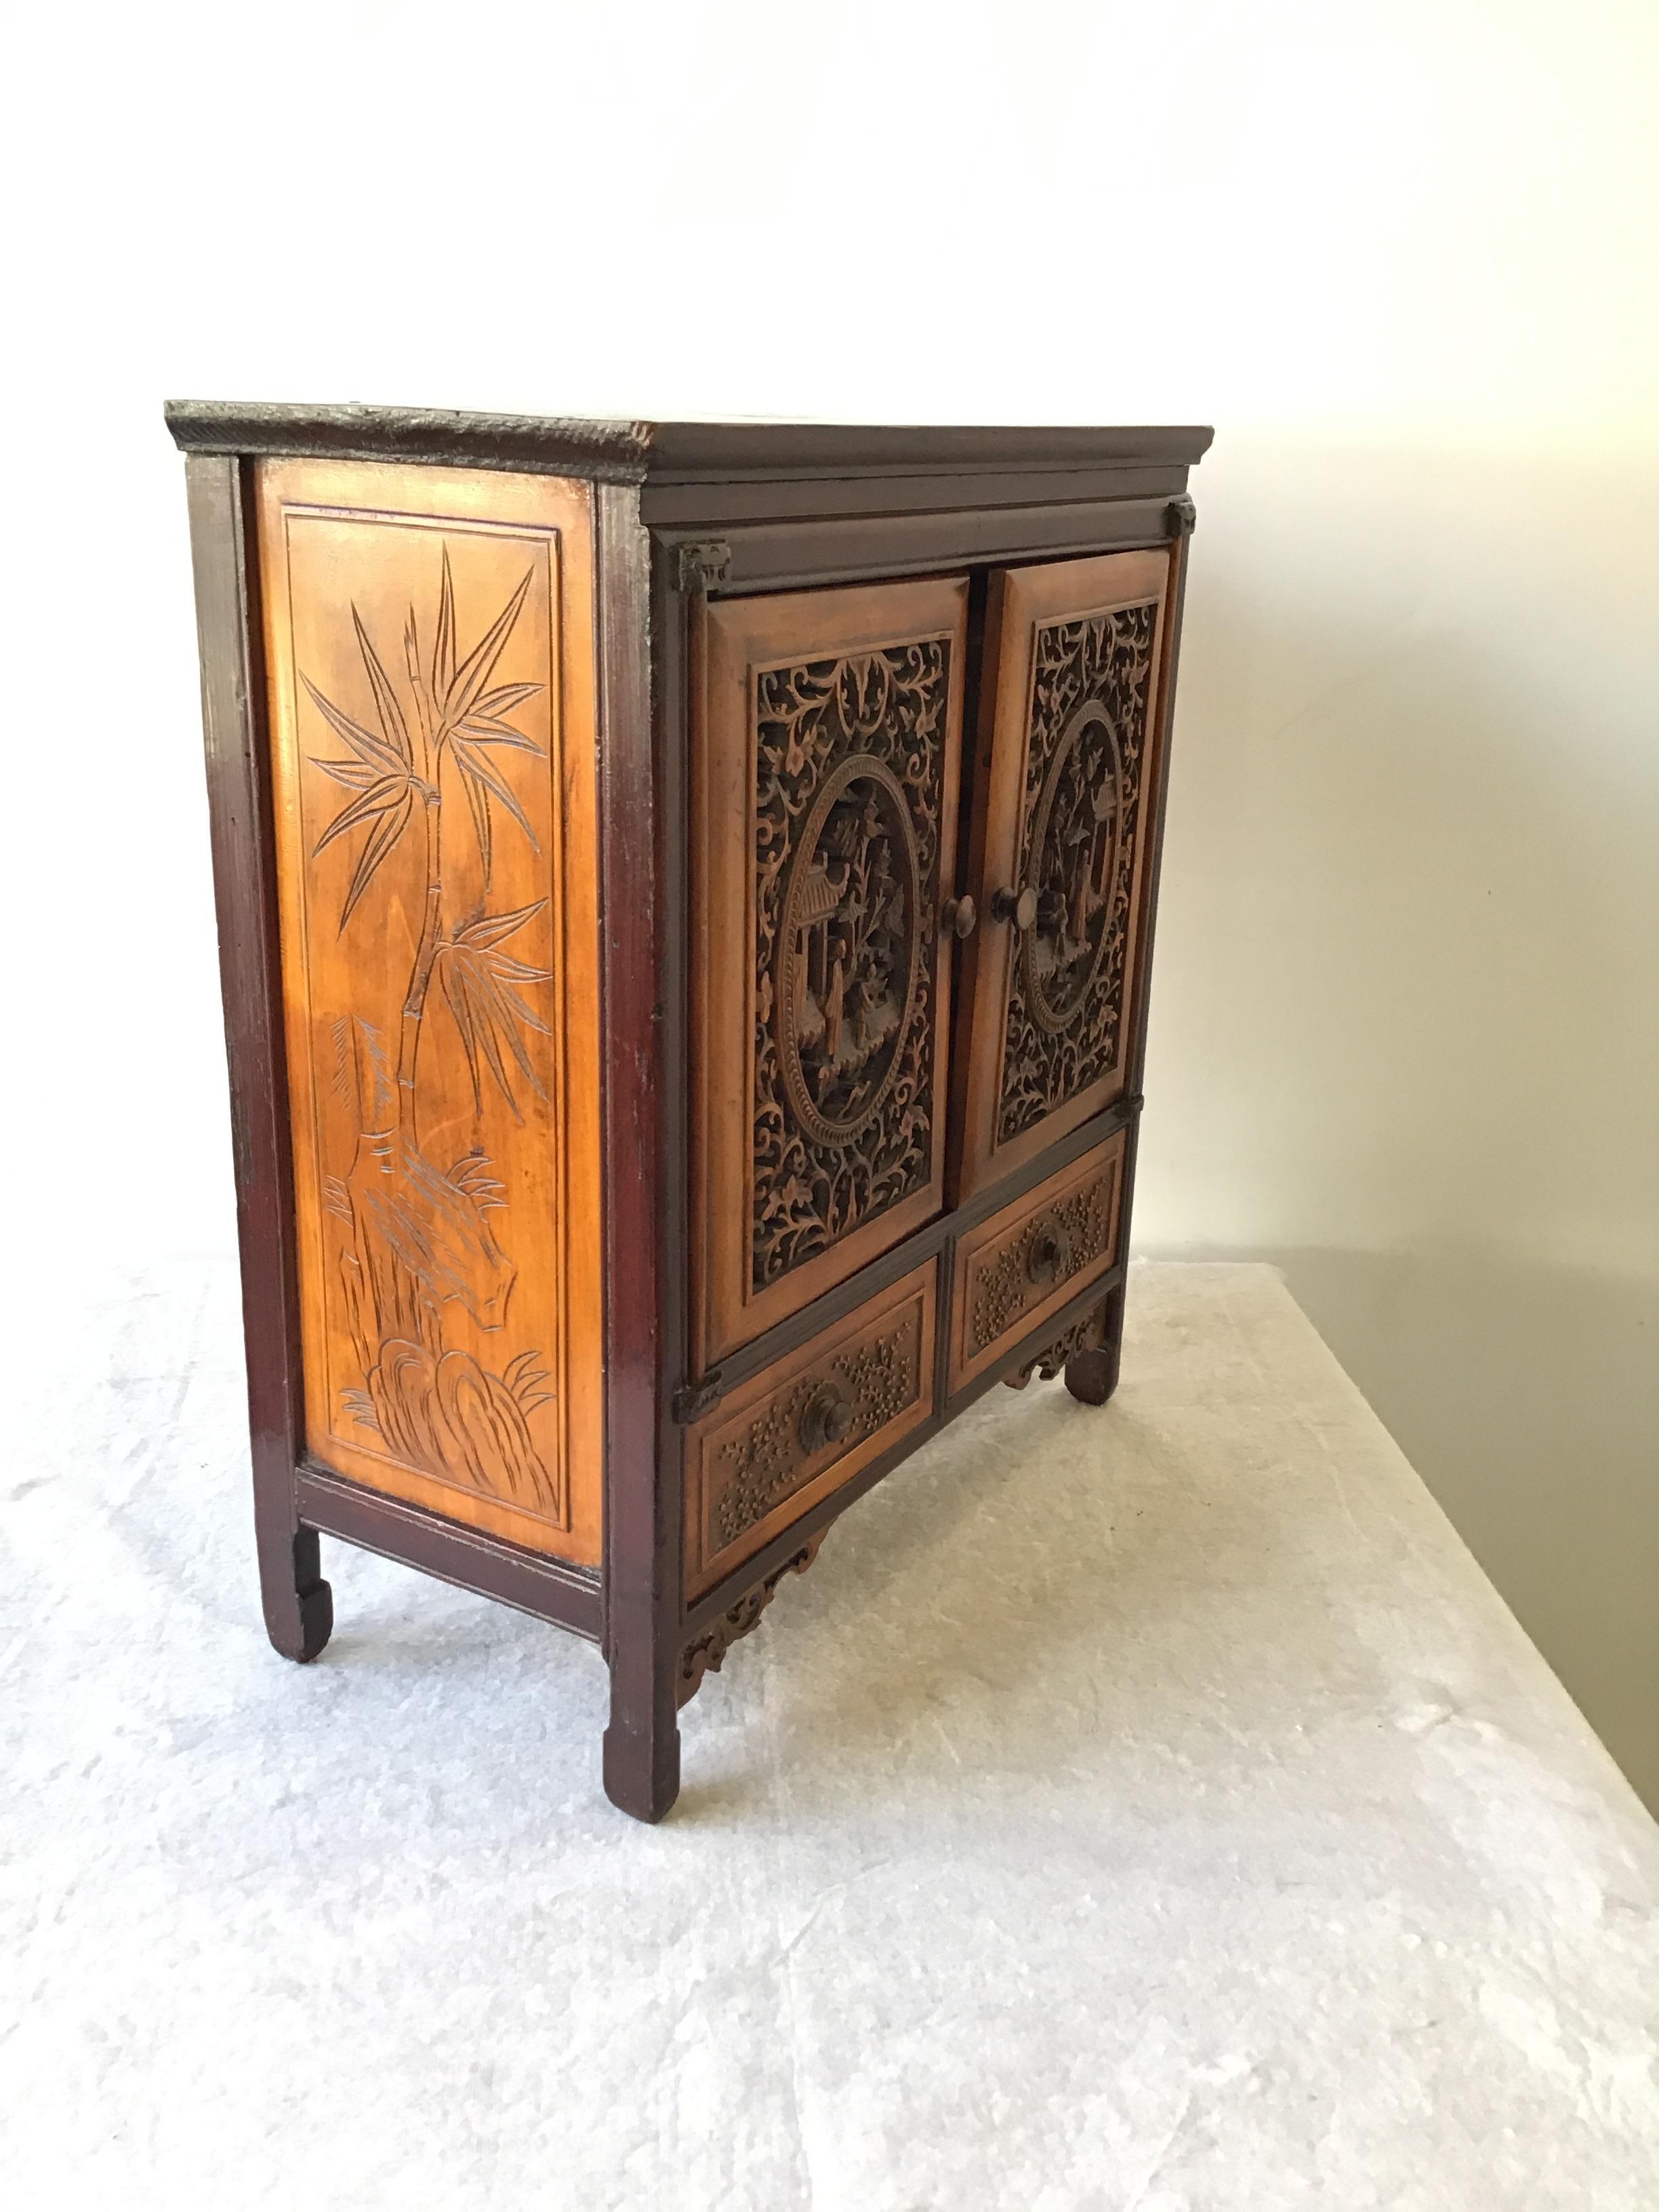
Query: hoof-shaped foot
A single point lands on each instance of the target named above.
(1091, 1377)
(299, 1604)
(316, 1619)
(641, 1772)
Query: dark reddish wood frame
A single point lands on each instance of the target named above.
(678, 509)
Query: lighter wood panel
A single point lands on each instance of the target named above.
(429, 637)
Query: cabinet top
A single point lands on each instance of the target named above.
(666, 453)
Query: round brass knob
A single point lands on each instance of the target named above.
(1049, 1254)
(958, 915)
(1019, 907)
(827, 1418)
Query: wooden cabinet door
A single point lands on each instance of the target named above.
(1066, 785)
(827, 733)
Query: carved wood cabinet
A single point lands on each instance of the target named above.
(685, 895)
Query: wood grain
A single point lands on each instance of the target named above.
(641, 754)
(429, 642)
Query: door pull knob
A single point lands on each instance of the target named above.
(1019, 907)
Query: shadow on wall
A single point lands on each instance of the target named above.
(1405, 1027)
(1528, 1399)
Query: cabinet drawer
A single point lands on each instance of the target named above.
(806, 1424)
(1026, 1261)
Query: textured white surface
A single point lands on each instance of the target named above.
(1151, 1807)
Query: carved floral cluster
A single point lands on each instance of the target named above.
(1004, 1289)
(765, 1461)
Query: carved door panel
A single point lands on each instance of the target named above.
(1066, 779)
(824, 797)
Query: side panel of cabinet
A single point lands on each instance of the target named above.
(826, 741)
(1068, 765)
(428, 643)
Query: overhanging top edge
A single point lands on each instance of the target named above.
(632, 452)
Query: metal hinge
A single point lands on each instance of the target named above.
(701, 565)
(693, 1399)
(1180, 517)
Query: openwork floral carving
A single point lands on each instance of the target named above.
(705, 1654)
(849, 785)
(1087, 1335)
(1080, 828)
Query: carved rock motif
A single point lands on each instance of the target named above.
(1091, 700)
(850, 784)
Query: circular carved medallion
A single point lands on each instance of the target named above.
(848, 959)
(1076, 841)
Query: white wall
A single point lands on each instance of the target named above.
(1406, 1030)
(1403, 255)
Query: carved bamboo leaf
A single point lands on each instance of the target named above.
(383, 839)
(502, 700)
(477, 806)
(485, 781)
(380, 798)
(477, 982)
(443, 648)
(474, 673)
(491, 928)
(356, 776)
(385, 699)
(363, 742)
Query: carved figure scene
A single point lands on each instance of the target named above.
(1091, 703)
(849, 782)
(1077, 854)
(849, 955)
(419, 1256)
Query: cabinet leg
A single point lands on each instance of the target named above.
(642, 1743)
(1092, 1374)
(299, 1605)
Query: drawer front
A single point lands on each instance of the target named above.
(806, 1424)
(1026, 1262)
